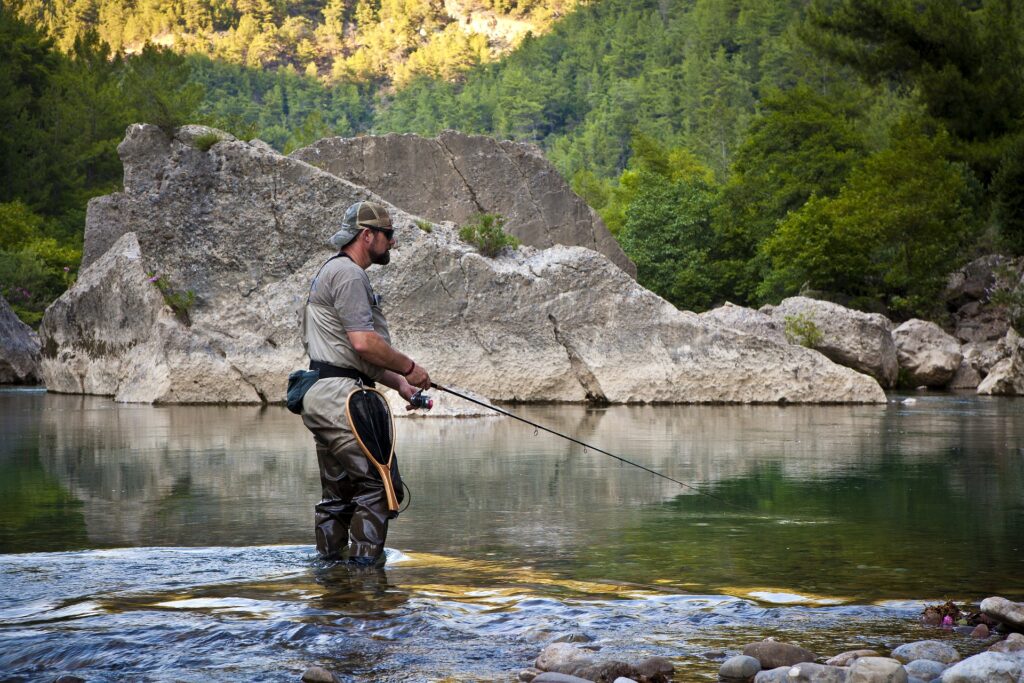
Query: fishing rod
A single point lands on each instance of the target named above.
(576, 441)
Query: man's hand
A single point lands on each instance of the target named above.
(419, 377)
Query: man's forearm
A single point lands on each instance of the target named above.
(372, 348)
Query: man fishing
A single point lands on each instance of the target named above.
(346, 336)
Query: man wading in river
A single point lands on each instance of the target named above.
(347, 339)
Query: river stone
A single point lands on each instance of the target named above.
(1005, 611)
(747, 320)
(777, 675)
(987, 667)
(980, 632)
(739, 669)
(19, 348)
(606, 671)
(245, 230)
(455, 177)
(927, 356)
(847, 658)
(622, 679)
(563, 658)
(528, 674)
(654, 670)
(925, 669)
(862, 341)
(876, 670)
(1013, 643)
(554, 677)
(773, 654)
(316, 674)
(926, 649)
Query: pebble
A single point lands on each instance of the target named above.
(847, 658)
(738, 669)
(926, 649)
(925, 669)
(316, 674)
(773, 654)
(980, 631)
(876, 670)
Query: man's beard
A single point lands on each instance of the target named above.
(382, 259)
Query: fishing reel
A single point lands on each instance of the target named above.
(421, 400)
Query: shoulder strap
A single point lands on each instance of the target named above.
(312, 282)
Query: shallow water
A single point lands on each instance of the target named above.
(175, 542)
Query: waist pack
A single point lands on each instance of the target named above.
(299, 383)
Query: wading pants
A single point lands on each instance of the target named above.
(353, 503)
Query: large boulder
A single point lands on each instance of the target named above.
(1006, 611)
(242, 230)
(862, 341)
(455, 177)
(1005, 378)
(926, 354)
(19, 349)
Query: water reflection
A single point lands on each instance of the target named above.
(877, 493)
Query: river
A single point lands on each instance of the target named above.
(175, 542)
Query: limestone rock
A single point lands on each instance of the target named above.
(773, 654)
(876, 670)
(990, 667)
(19, 349)
(1005, 611)
(969, 290)
(847, 658)
(454, 177)
(747, 320)
(738, 669)
(245, 230)
(927, 356)
(1006, 378)
(862, 341)
(934, 650)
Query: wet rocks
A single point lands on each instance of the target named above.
(847, 658)
(1005, 611)
(934, 650)
(316, 674)
(19, 349)
(772, 653)
(876, 670)
(565, 659)
(804, 672)
(987, 667)
(739, 669)
(1013, 643)
(925, 669)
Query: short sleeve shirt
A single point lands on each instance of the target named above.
(341, 300)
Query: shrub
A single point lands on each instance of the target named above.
(205, 141)
(180, 301)
(801, 329)
(487, 234)
(425, 226)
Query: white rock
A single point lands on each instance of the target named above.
(926, 354)
(987, 667)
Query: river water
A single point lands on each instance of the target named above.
(175, 543)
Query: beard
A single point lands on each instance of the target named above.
(381, 259)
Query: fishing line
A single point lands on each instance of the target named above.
(585, 445)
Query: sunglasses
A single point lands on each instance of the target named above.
(388, 232)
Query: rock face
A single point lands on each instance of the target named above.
(927, 355)
(968, 295)
(244, 229)
(19, 349)
(454, 177)
(862, 341)
(747, 320)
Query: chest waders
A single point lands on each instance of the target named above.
(374, 429)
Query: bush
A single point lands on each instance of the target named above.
(205, 141)
(180, 301)
(487, 234)
(801, 329)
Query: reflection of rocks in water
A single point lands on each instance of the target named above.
(161, 475)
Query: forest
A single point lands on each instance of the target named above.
(741, 151)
